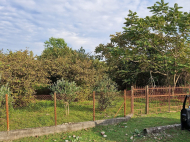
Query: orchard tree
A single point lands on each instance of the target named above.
(158, 43)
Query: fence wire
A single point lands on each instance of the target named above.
(159, 99)
(41, 111)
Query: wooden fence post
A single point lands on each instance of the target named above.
(169, 97)
(55, 108)
(7, 111)
(147, 99)
(93, 105)
(125, 103)
(132, 100)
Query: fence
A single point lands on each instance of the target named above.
(157, 100)
(53, 111)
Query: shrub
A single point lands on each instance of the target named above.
(4, 89)
(85, 94)
(41, 89)
(107, 90)
(22, 72)
(66, 91)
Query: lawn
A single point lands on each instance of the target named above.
(125, 131)
(41, 113)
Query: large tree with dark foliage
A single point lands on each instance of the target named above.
(157, 44)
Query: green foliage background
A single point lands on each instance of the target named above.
(153, 50)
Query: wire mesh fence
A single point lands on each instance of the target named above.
(47, 111)
(111, 107)
(139, 101)
(147, 100)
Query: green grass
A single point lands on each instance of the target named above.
(41, 113)
(157, 105)
(123, 131)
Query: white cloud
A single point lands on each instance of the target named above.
(81, 23)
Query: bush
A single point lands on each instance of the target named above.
(22, 72)
(66, 91)
(4, 89)
(107, 90)
(84, 94)
(41, 89)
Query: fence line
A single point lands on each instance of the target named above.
(56, 96)
(146, 99)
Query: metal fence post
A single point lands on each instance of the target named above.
(93, 105)
(7, 111)
(147, 99)
(55, 109)
(132, 100)
(169, 96)
(189, 94)
(125, 103)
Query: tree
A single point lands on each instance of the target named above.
(54, 48)
(157, 43)
(21, 71)
(81, 55)
(61, 61)
(55, 42)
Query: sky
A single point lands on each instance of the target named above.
(84, 23)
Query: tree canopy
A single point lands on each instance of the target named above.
(54, 48)
(158, 44)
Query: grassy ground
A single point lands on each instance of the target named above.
(125, 131)
(41, 113)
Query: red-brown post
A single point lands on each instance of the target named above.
(169, 97)
(93, 105)
(189, 94)
(125, 103)
(147, 99)
(55, 109)
(7, 112)
(132, 100)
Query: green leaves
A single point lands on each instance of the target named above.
(106, 89)
(55, 48)
(158, 43)
(4, 89)
(67, 90)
